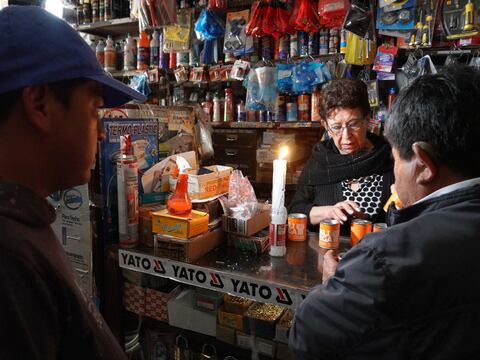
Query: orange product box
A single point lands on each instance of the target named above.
(180, 226)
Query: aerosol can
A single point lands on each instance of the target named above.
(127, 186)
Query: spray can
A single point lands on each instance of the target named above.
(143, 52)
(313, 43)
(164, 57)
(302, 43)
(323, 41)
(110, 54)
(343, 41)
(127, 186)
(294, 45)
(284, 47)
(333, 41)
(154, 50)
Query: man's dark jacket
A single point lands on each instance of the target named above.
(410, 292)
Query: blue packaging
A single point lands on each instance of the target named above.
(144, 134)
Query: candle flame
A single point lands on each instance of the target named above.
(283, 153)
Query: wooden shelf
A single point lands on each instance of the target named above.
(269, 125)
(115, 27)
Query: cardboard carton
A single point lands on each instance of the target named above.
(179, 226)
(250, 226)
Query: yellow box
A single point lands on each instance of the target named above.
(234, 321)
(183, 227)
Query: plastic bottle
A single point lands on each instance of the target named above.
(93, 44)
(100, 52)
(119, 57)
(392, 94)
(110, 54)
(217, 108)
(154, 50)
(143, 52)
(207, 106)
(180, 203)
(129, 62)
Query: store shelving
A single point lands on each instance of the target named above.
(115, 27)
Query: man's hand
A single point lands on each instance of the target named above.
(330, 263)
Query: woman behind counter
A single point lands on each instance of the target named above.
(350, 174)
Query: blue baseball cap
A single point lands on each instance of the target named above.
(38, 48)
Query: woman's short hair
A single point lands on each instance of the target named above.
(344, 93)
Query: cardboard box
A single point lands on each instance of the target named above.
(207, 185)
(266, 347)
(156, 303)
(245, 341)
(231, 320)
(250, 226)
(134, 298)
(182, 227)
(207, 300)
(262, 327)
(233, 305)
(226, 334)
(187, 250)
(281, 331)
(182, 315)
(283, 353)
(257, 243)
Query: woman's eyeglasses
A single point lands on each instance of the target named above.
(353, 126)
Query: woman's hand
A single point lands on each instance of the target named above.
(330, 263)
(340, 212)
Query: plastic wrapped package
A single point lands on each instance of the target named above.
(242, 201)
(284, 77)
(209, 26)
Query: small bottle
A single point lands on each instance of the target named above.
(100, 52)
(154, 50)
(180, 203)
(110, 54)
(93, 44)
(143, 52)
(391, 98)
(129, 62)
(229, 113)
(119, 56)
(241, 113)
(217, 108)
(207, 106)
(164, 57)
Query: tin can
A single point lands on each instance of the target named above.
(280, 108)
(316, 97)
(283, 47)
(313, 43)
(377, 227)
(329, 236)
(303, 107)
(292, 113)
(267, 48)
(323, 42)
(302, 43)
(297, 227)
(294, 45)
(358, 229)
(251, 116)
(343, 41)
(333, 41)
(262, 116)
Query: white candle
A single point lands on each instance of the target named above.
(278, 180)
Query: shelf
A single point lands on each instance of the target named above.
(283, 281)
(269, 125)
(115, 27)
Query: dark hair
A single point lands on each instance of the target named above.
(344, 93)
(62, 90)
(441, 110)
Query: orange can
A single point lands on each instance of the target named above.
(297, 227)
(358, 229)
(329, 236)
(377, 227)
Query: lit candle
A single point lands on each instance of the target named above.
(278, 180)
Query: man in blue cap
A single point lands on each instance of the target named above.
(51, 87)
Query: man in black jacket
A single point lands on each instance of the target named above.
(411, 292)
(51, 87)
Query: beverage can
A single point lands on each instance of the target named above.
(297, 227)
(358, 229)
(302, 43)
(377, 227)
(329, 235)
